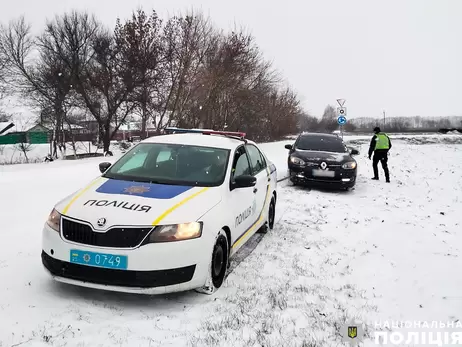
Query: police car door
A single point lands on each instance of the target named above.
(241, 200)
(259, 170)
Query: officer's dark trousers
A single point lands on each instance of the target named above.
(382, 156)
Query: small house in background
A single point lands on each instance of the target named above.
(6, 127)
(90, 126)
(9, 135)
(38, 134)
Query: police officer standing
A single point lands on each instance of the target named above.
(380, 145)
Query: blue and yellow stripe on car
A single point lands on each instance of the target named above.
(260, 217)
(79, 194)
(174, 207)
(254, 225)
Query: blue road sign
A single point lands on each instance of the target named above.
(341, 120)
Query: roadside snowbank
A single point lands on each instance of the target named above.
(11, 154)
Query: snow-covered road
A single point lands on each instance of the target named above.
(382, 251)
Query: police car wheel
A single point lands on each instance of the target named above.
(271, 213)
(269, 224)
(219, 260)
(218, 265)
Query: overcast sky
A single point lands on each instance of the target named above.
(402, 56)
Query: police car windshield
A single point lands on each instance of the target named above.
(320, 143)
(172, 164)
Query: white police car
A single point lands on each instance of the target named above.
(165, 217)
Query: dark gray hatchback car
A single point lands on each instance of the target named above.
(322, 160)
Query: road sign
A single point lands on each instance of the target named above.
(341, 102)
(341, 111)
(341, 120)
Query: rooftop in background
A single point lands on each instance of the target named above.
(5, 125)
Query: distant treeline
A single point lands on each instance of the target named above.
(399, 124)
(328, 122)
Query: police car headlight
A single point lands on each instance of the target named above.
(297, 161)
(176, 232)
(54, 220)
(349, 165)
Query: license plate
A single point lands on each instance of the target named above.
(323, 173)
(110, 261)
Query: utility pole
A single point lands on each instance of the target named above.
(384, 120)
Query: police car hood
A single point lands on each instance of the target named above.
(135, 203)
(319, 156)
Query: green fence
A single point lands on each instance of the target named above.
(34, 138)
(12, 139)
(37, 138)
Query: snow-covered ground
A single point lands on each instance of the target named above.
(380, 252)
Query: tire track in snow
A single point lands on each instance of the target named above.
(298, 267)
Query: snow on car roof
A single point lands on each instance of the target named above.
(218, 141)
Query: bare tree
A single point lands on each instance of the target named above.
(329, 119)
(107, 87)
(104, 83)
(183, 71)
(4, 117)
(238, 90)
(23, 145)
(4, 63)
(44, 82)
(188, 40)
(140, 39)
(2, 73)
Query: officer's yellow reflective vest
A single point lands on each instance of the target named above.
(381, 141)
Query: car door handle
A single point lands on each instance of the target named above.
(269, 178)
(255, 190)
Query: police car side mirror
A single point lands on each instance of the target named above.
(354, 151)
(104, 166)
(288, 146)
(244, 181)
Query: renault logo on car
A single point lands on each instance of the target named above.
(323, 165)
(101, 222)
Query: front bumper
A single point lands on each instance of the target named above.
(152, 269)
(304, 175)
